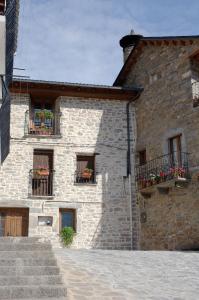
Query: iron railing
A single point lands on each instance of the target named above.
(195, 91)
(41, 182)
(81, 177)
(163, 168)
(46, 125)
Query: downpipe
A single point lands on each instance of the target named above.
(129, 175)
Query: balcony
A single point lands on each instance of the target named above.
(85, 177)
(163, 171)
(42, 123)
(41, 182)
(195, 91)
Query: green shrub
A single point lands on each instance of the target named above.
(67, 235)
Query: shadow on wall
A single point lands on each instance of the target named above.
(102, 130)
(4, 128)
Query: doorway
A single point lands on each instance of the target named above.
(42, 180)
(14, 221)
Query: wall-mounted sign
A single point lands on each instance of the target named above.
(45, 221)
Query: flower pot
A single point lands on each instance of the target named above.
(180, 178)
(86, 175)
(43, 172)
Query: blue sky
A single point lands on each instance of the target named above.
(78, 40)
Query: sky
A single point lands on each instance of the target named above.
(78, 40)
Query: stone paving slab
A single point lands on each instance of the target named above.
(130, 275)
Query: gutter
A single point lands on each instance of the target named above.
(129, 169)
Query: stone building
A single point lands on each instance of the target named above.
(8, 42)
(117, 163)
(68, 163)
(167, 145)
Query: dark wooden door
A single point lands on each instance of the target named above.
(14, 222)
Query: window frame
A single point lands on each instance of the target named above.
(91, 155)
(73, 210)
(141, 152)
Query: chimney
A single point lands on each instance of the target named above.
(128, 42)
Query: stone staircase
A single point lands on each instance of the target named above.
(28, 270)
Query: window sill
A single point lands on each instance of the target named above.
(85, 184)
(55, 136)
(41, 197)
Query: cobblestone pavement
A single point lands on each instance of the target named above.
(126, 275)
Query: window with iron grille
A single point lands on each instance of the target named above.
(85, 169)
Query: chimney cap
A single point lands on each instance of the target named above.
(130, 39)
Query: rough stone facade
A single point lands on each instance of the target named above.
(87, 126)
(164, 110)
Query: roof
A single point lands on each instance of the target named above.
(155, 41)
(54, 89)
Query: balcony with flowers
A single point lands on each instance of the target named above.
(163, 171)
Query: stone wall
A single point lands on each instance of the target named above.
(165, 109)
(102, 209)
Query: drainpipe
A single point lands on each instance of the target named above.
(133, 228)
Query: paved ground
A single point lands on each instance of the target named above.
(122, 275)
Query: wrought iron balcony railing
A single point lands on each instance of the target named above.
(42, 123)
(86, 178)
(195, 91)
(41, 182)
(162, 169)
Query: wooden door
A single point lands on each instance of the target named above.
(14, 222)
(13, 226)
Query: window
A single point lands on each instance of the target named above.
(42, 173)
(67, 218)
(175, 150)
(142, 157)
(85, 172)
(195, 78)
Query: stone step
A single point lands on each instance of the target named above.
(23, 239)
(25, 246)
(28, 271)
(30, 280)
(51, 298)
(27, 254)
(28, 262)
(38, 292)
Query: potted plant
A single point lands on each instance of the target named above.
(158, 179)
(40, 114)
(67, 235)
(152, 178)
(87, 173)
(48, 114)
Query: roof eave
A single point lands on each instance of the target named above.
(56, 89)
(125, 68)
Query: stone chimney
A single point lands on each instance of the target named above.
(128, 42)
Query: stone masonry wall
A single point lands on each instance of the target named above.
(87, 126)
(165, 109)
